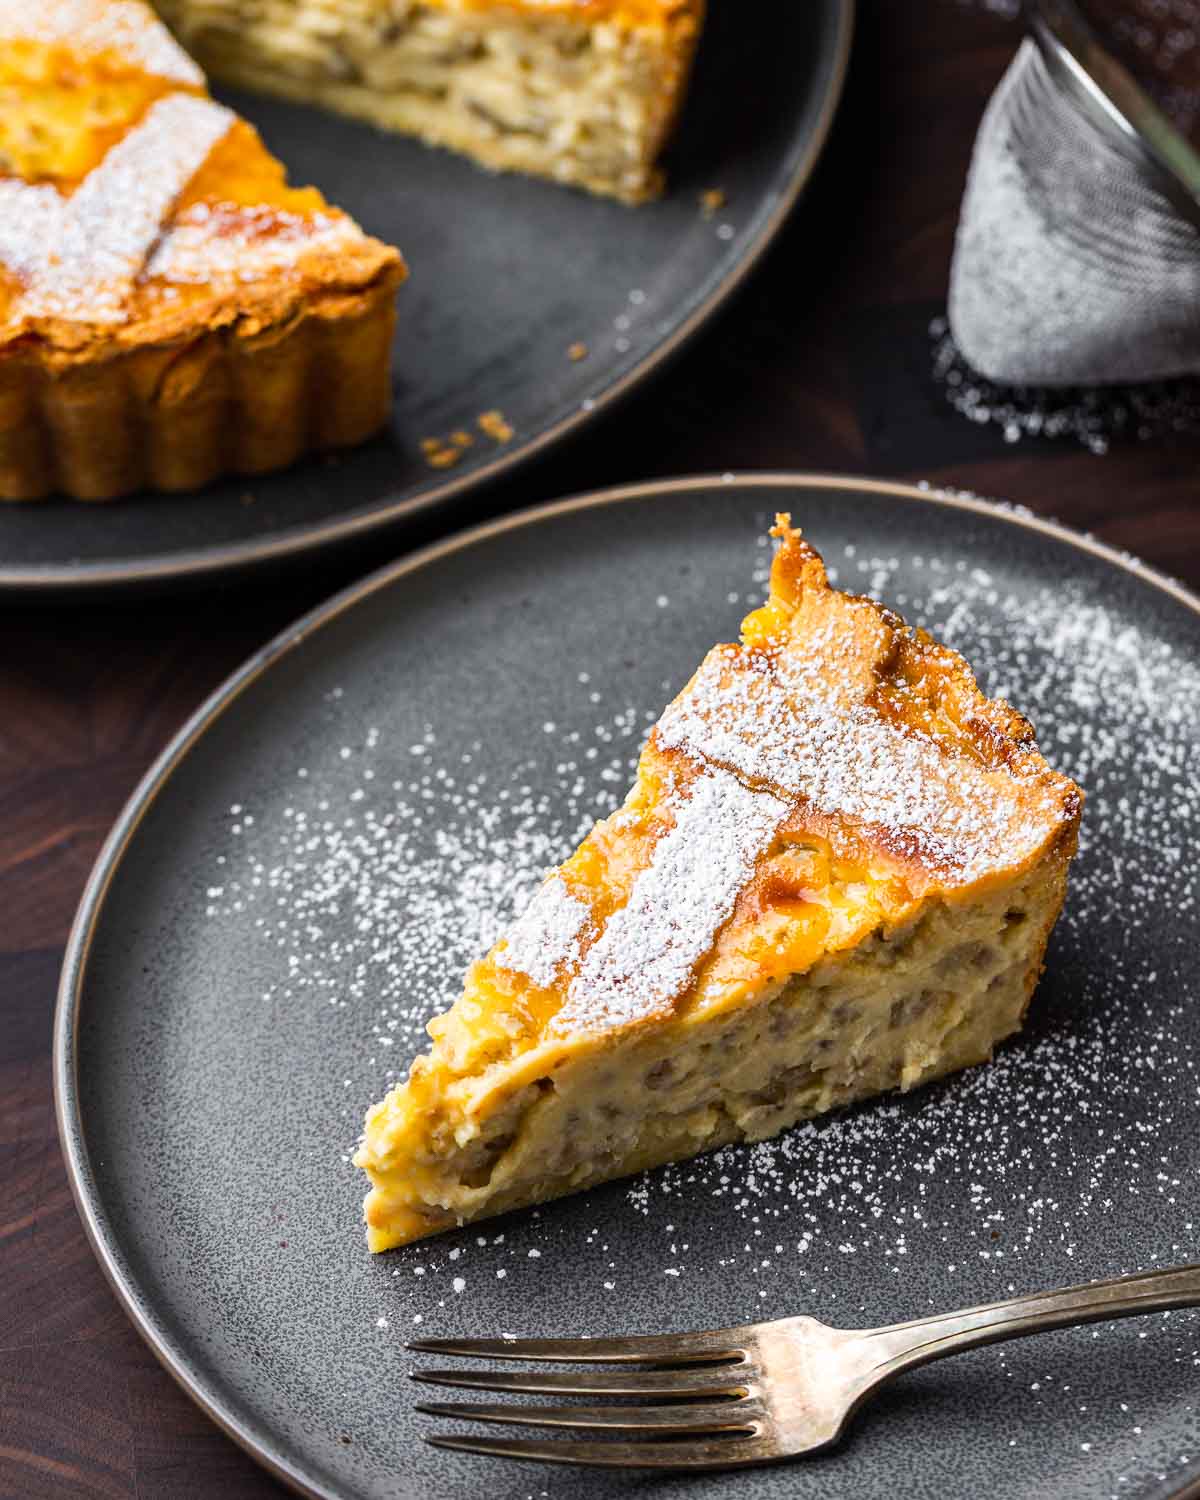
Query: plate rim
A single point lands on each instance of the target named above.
(237, 559)
(100, 1234)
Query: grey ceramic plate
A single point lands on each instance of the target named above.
(507, 274)
(299, 882)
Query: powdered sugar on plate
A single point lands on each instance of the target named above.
(380, 900)
(396, 864)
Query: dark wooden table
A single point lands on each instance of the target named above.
(822, 363)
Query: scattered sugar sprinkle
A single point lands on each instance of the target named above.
(377, 897)
(379, 904)
(1094, 417)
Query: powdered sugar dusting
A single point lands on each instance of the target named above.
(208, 242)
(646, 954)
(123, 28)
(31, 221)
(842, 759)
(545, 938)
(79, 256)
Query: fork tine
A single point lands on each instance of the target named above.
(728, 1416)
(683, 1348)
(724, 1381)
(721, 1453)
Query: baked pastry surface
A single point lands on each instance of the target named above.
(170, 309)
(836, 874)
(582, 91)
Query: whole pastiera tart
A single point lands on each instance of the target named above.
(170, 310)
(836, 874)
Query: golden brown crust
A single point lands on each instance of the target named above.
(241, 398)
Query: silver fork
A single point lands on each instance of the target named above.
(751, 1395)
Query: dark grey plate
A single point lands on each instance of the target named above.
(507, 274)
(298, 883)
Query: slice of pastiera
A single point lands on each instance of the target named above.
(836, 874)
(170, 309)
(582, 91)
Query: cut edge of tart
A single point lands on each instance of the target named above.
(170, 309)
(835, 875)
(585, 92)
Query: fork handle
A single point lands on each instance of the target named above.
(902, 1346)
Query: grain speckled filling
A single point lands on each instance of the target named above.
(906, 1006)
(585, 104)
(240, 400)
